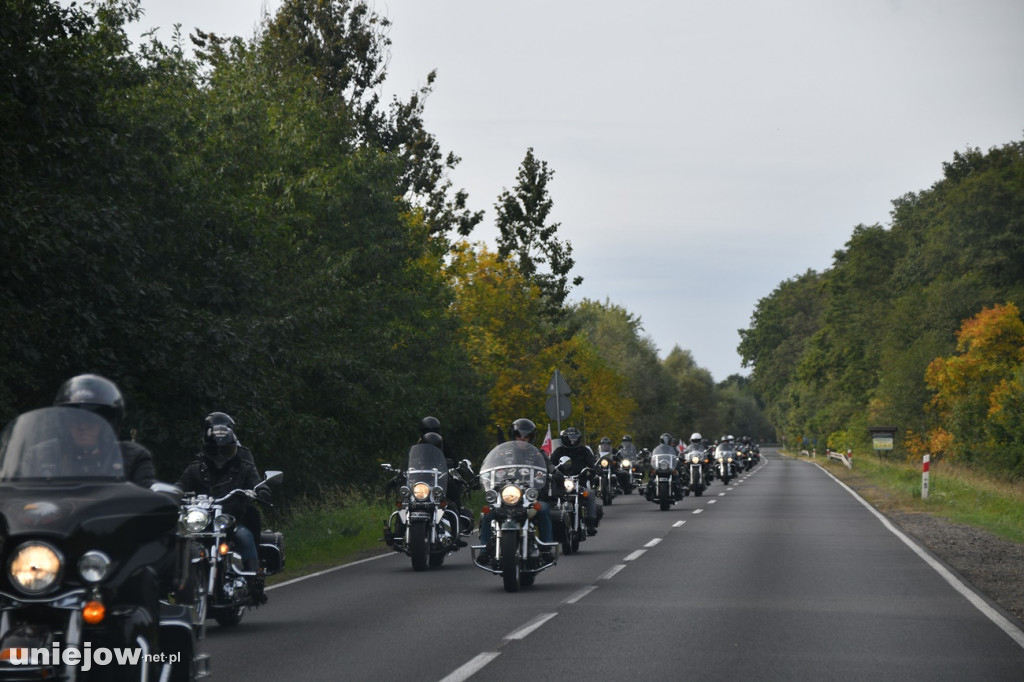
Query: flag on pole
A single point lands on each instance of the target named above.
(546, 447)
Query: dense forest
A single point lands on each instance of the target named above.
(245, 226)
(915, 326)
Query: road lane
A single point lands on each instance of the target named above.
(782, 575)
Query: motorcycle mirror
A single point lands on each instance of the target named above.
(167, 488)
(274, 477)
(469, 465)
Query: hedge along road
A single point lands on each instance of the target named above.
(784, 574)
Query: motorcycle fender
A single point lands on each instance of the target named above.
(438, 515)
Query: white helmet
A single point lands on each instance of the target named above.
(695, 437)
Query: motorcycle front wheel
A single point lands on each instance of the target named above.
(229, 617)
(418, 549)
(663, 495)
(510, 561)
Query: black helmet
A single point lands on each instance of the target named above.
(627, 439)
(219, 441)
(94, 393)
(434, 439)
(606, 441)
(523, 428)
(430, 425)
(572, 436)
(666, 439)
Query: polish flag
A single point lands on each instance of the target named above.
(546, 446)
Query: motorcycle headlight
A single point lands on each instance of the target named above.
(604, 462)
(626, 463)
(35, 567)
(511, 494)
(93, 566)
(404, 492)
(570, 485)
(663, 465)
(491, 497)
(223, 522)
(438, 492)
(196, 520)
(421, 491)
(695, 459)
(531, 495)
(730, 460)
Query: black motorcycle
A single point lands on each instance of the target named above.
(513, 474)
(663, 485)
(87, 556)
(221, 586)
(426, 527)
(631, 467)
(725, 462)
(569, 518)
(694, 464)
(608, 469)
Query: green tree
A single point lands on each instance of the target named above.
(526, 234)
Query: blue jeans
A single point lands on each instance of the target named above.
(542, 519)
(245, 543)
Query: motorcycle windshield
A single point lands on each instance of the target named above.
(628, 450)
(514, 461)
(664, 457)
(427, 464)
(724, 451)
(59, 444)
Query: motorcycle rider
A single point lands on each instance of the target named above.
(102, 396)
(582, 458)
(217, 470)
(522, 431)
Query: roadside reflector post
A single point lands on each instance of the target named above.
(925, 466)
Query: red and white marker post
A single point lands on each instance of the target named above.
(924, 476)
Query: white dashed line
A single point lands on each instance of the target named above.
(531, 626)
(580, 594)
(653, 542)
(610, 573)
(632, 556)
(467, 670)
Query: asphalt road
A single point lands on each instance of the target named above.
(782, 575)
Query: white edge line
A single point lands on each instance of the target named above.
(467, 670)
(1005, 625)
(580, 594)
(531, 626)
(610, 573)
(324, 572)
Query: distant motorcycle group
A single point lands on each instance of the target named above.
(537, 502)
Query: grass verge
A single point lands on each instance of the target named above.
(340, 527)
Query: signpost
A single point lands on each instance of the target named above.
(882, 438)
(558, 406)
(926, 465)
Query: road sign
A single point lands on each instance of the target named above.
(558, 407)
(558, 385)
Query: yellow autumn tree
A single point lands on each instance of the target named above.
(977, 389)
(516, 350)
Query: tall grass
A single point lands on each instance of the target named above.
(956, 492)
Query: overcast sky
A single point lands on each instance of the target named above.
(703, 152)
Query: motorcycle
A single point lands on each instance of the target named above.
(513, 474)
(696, 482)
(86, 556)
(725, 463)
(663, 485)
(569, 517)
(608, 477)
(631, 467)
(221, 586)
(426, 526)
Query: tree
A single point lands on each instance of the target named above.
(522, 220)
